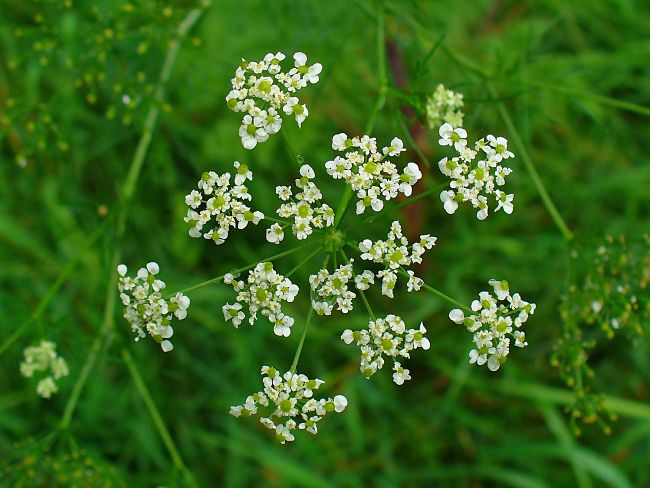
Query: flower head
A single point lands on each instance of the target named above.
(496, 322)
(386, 337)
(287, 401)
(263, 90)
(474, 178)
(216, 200)
(263, 292)
(44, 359)
(145, 308)
(369, 172)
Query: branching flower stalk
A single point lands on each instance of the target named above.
(372, 175)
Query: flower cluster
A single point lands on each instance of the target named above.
(44, 359)
(304, 208)
(263, 292)
(329, 290)
(216, 198)
(145, 308)
(262, 90)
(290, 400)
(497, 318)
(389, 337)
(371, 175)
(444, 106)
(474, 178)
(394, 254)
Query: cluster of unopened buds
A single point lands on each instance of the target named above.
(367, 170)
(263, 91)
(304, 208)
(145, 308)
(496, 320)
(444, 105)
(289, 399)
(474, 178)
(217, 199)
(263, 292)
(386, 337)
(45, 360)
(394, 254)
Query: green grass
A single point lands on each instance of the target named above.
(88, 185)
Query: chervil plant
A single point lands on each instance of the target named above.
(370, 178)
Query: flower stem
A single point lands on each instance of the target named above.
(302, 263)
(361, 292)
(246, 268)
(156, 417)
(440, 294)
(128, 190)
(296, 356)
(51, 292)
(528, 162)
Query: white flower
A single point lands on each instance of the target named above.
(450, 136)
(340, 142)
(275, 234)
(394, 254)
(492, 324)
(45, 360)
(331, 290)
(219, 201)
(386, 337)
(448, 198)
(504, 201)
(474, 181)
(305, 208)
(288, 402)
(262, 90)
(145, 308)
(371, 175)
(263, 292)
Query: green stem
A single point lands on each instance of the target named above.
(129, 188)
(440, 294)
(296, 356)
(52, 291)
(379, 104)
(528, 162)
(302, 263)
(409, 139)
(246, 268)
(613, 102)
(156, 417)
(292, 151)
